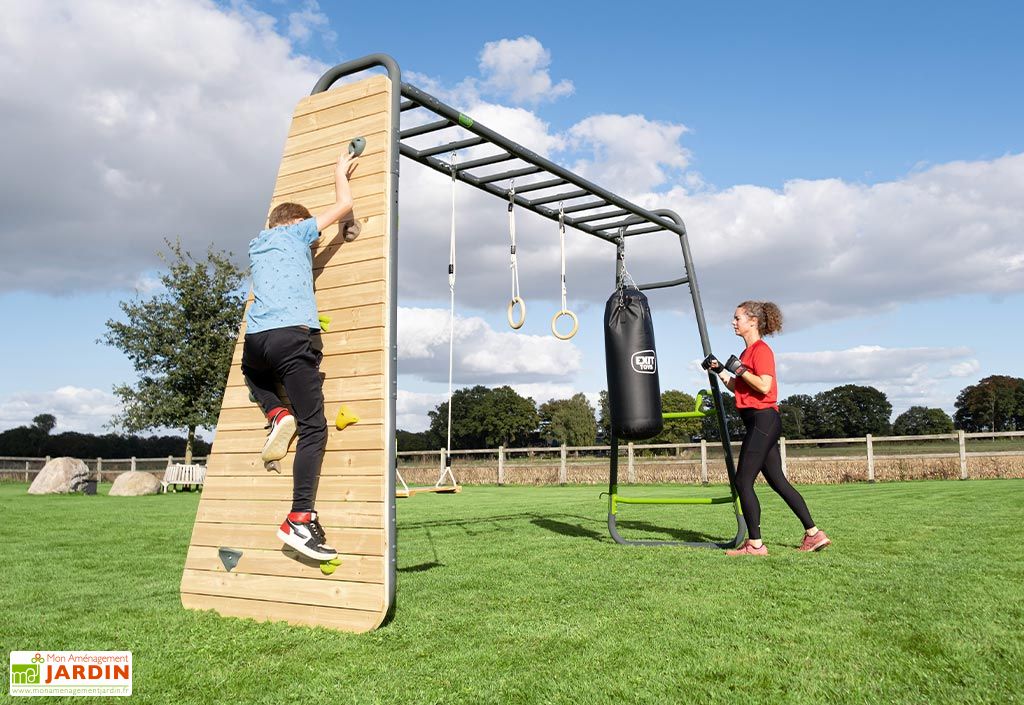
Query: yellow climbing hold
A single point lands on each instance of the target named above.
(345, 418)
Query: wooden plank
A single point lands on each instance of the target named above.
(343, 94)
(359, 123)
(345, 390)
(340, 463)
(368, 542)
(251, 418)
(286, 563)
(314, 169)
(355, 515)
(273, 486)
(341, 619)
(360, 436)
(301, 591)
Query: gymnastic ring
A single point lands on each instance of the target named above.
(516, 325)
(575, 324)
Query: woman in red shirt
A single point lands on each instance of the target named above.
(752, 378)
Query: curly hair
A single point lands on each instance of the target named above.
(287, 212)
(768, 315)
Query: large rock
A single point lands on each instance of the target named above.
(61, 476)
(134, 484)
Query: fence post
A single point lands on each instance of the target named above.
(871, 459)
(679, 450)
(963, 454)
(26, 471)
(99, 469)
(782, 455)
(170, 460)
(134, 467)
(47, 460)
(703, 462)
(630, 468)
(444, 452)
(501, 465)
(563, 475)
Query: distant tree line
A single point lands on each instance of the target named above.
(36, 441)
(486, 418)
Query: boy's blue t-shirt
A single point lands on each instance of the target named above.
(282, 278)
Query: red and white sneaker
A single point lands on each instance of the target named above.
(816, 542)
(748, 549)
(302, 531)
(282, 431)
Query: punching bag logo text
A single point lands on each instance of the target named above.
(645, 362)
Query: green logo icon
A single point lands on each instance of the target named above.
(25, 673)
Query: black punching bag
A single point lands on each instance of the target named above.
(634, 393)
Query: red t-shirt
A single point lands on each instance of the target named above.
(761, 361)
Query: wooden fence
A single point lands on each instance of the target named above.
(641, 463)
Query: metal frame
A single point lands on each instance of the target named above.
(601, 213)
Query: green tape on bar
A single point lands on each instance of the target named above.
(683, 415)
(674, 500)
(465, 120)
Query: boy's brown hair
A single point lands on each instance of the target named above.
(287, 212)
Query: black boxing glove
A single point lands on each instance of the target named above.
(734, 365)
(709, 361)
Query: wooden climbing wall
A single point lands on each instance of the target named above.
(242, 503)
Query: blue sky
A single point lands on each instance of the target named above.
(861, 164)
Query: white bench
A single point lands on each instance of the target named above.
(180, 474)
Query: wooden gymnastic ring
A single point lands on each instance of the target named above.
(516, 325)
(575, 324)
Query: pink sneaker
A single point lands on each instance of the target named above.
(816, 542)
(748, 549)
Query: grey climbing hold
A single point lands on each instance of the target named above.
(229, 557)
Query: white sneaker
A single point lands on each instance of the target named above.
(282, 431)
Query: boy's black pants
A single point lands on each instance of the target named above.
(292, 357)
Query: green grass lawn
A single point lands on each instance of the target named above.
(517, 595)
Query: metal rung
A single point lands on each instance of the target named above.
(663, 285)
(585, 206)
(408, 105)
(600, 216)
(642, 231)
(424, 129)
(485, 161)
(568, 195)
(526, 171)
(538, 185)
(451, 147)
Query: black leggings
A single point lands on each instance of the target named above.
(760, 454)
(289, 356)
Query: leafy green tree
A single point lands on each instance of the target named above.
(799, 413)
(922, 421)
(604, 418)
(677, 430)
(45, 423)
(993, 404)
(407, 440)
(568, 421)
(180, 342)
(485, 418)
(852, 410)
(709, 424)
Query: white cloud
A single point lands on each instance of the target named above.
(481, 354)
(411, 409)
(965, 369)
(76, 409)
(168, 121)
(518, 69)
(304, 23)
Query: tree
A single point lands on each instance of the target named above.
(485, 418)
(568, 421)
(604, 418)
(677, 430)
(709, 424)
(993, 404)
(921, 421)
(407, 440)
(180, 342)
(799, 413)
(45, 423)
(852, 410)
